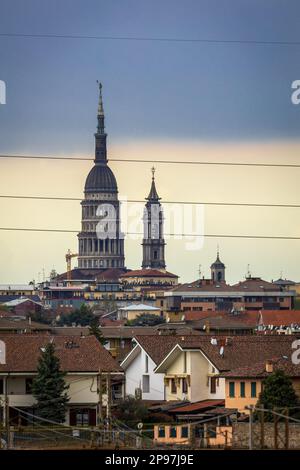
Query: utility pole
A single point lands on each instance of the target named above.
(287, 429)
(7, 421)
(108, 406)
(99, 407)
(250, 427)
(276, 419)
(262, 429)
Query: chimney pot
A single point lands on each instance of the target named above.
(269, 367)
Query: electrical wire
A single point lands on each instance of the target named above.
(189, 235)
(173, 162)
(153, 39)
(135, 201)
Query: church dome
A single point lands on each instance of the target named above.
(101, 180)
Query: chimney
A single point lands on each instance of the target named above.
(269, 367)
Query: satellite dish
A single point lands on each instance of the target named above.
(140, 425)
(221, 350)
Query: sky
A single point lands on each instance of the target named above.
(163, 100)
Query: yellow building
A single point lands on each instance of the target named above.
(244, 384)
(131, 312)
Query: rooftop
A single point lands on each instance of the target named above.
(148, 273)
(83, 354)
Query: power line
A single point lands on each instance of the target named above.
(131, 201)
(173, 162)
(153, 39)
(189, 235)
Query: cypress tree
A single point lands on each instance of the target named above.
(49, 387)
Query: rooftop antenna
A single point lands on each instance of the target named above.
(199, 271)
(248, 271)
(281, 275)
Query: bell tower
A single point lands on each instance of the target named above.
(153, 241)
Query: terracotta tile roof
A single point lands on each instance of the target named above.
(280, 317)
(86, 355)
(92, 274)
(240, 350)
(248, 317)
(198, 406)
(201, 315)
(259, 369)
(8, 323)
(148, 273)
(256, 284)
(157, 346)
(127, 331)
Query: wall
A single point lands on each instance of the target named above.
(240, 437)
(134, 373)
(238, 402)
(197, 372)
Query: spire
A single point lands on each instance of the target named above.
(100, 135)
(100, 114)
(153, 195)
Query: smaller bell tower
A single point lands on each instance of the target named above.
(153, 241)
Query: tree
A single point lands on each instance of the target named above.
(81, 316)
(147, 319)
(95, 330)
(49, 387)
(131, 411)
(277, 392)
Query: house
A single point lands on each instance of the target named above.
(15, 324)
(244, 384)
(139, 365)
(194, 367)
(80, 357)
(131, 312)
(190, 374)
(23, 306)
(15, 291)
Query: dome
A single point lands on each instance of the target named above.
(218, 264)
(101, 180)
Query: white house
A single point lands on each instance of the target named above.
(139, 365)
(82, 358)
(190, 375)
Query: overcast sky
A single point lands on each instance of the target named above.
(163, 100)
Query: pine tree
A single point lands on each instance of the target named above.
(94, 330)
(49, 387)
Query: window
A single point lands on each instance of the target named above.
(28, 386)
(231, 389)
(184, 386)
(242, 389)
(173, 431)
(161, 432)
(82, 418)
(146, 364)
(146, 384)
(184, 431)
(213, 385)
(1, 386)
(173, 386)
(253, 389)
